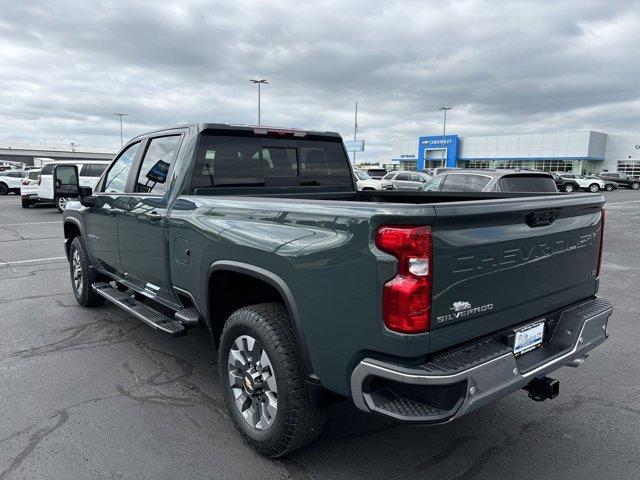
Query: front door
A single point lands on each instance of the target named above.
(102, 218)
(142, 217)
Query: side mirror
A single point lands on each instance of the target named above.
(65, 179)
(86, 196)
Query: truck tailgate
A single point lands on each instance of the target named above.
(499, 263)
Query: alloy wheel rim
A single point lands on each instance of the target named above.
(76, 271)
(253, 382)
(62, 202)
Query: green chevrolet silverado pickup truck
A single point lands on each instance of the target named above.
(418, 306)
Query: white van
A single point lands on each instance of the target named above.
(89, 174)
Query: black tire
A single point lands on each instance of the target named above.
(297, 422)
(26, 203)
(594, 187)
(635, 185)
(568, 188)
(84, 294)
(608, 188)
(4, 188)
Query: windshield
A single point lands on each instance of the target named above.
(362, 175)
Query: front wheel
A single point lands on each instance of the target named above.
(635, 185)
(263, 382)
(608, 188)
(568, 188)
(82, 275)
(594, 187)
(4, 188)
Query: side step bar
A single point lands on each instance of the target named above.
(148, 315)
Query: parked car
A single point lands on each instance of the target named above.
(10, 181)
(609, 185)
(89, 171)
(376, 173)
(29, 188)
(592, 185)
(489, 180)
(621, 179)
(402, 180)
(365, 182)
(565, 184)
(420, 307)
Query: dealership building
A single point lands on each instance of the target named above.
(584, 152)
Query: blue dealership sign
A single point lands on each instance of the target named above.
(430, 150)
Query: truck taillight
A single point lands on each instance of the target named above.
(601, 242)
(406, 298)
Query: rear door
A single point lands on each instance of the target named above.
(498, 263)
(142, 217)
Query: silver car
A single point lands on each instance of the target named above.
(405, 180)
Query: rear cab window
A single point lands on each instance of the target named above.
(476, 183)
(246, 162)
(527, 183)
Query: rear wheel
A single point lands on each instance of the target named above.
(4, 188)
(26, 203)
(263, 382)
(608, 187)
(82, 275)
(635, 185)
(594, 187)
(568, 188)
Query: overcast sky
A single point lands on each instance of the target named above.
(505, 67)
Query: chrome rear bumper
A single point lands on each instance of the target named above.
(463, 380)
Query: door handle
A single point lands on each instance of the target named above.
(154, 217)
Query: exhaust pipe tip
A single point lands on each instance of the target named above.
(543, 388)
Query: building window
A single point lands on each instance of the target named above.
(476, 164)
(553, 165)
(629, 167)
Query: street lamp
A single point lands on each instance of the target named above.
(444, 131)
(259, 82)
(121, 115)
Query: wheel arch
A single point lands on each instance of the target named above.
(256, 276)
(72, 229)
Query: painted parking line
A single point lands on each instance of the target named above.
(35, 260)
(32, 223)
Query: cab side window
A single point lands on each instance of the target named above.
(152, 177)
(116, 179)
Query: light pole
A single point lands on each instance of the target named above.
(444, 131)
(355, 133)
(121, 115)
(259, 83)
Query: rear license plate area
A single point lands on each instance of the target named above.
(528, 338)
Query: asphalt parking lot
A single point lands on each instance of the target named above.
(94, 393)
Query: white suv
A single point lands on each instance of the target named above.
(89, 174)
(29, 188)
(589, 184)
(10, 181)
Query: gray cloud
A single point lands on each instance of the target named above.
(66, 66)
